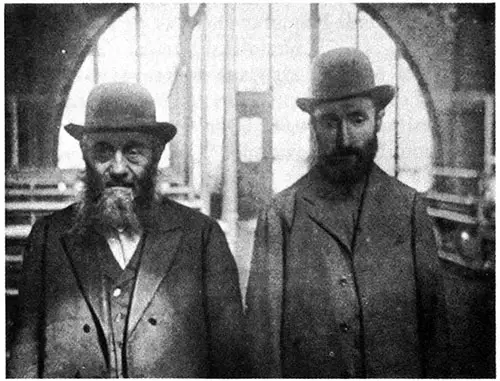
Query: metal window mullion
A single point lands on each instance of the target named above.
(313, 52)
(14, 117)
(95, 54)
(396, 115)
(489, 111)
(357, 24)
(314, 33)
(229, 154)
(205, 192)
(270, 26)
(138, 41)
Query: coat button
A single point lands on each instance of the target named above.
(344, 327)
(152, 321)
(86, 328)
(331, 354)
(117, 292)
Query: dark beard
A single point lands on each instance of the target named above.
(354, 168)
(118, 208)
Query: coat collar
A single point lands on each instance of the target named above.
(377, 217)
(328, 208)
(162, 235)
(384, 212)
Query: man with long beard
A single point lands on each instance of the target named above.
(126, 283)
(345, 280)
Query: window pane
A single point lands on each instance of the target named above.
(382, 53)
(69, 154)
(215, 92)
(159, 57)
(250, 139)
(337, 26)
(415, 136)
(117, 50)
(290, 80)
(159, 52)
(196, 133)
(252, 47)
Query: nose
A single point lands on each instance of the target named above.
(118, 166)
(343, 134)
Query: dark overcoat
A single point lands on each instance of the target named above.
(375, 310)
(185, 314)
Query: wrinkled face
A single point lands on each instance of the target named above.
(119, 160)
(119, 179)
(346, 137)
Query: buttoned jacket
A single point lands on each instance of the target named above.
(317, 301)
(185, 312)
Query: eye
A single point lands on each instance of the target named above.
(134, 154)
(330, 121)
(357, 118)
(102, 152)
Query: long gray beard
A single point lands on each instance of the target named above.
(118, 208)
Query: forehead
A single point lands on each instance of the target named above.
(119, 139)
(362, 104)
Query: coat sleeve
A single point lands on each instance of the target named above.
(433, 326)
(264, 297)
(224, 308)
(28, 340)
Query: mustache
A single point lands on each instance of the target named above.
(119, 183)
(343, 152)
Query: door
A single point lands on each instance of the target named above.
(255, 150)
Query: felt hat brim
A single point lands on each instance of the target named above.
(164, 131)
(381, 96)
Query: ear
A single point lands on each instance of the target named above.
(379, 115)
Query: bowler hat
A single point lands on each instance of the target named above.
(344, 73)
(121, 106)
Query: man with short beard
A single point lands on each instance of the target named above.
(126, 283)
(345, 280)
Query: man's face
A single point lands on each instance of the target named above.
(119, 160)
(119, 176)
(346, 137)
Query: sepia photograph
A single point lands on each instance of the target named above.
(249, 190)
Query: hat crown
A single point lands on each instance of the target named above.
(340, 73)
(119, 104)
(344, 73)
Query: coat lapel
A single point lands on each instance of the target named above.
(382, 218)
(330, 215)
(83, 253)
(320, 211)
(162, 238)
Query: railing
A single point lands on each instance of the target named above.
(465, 233)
